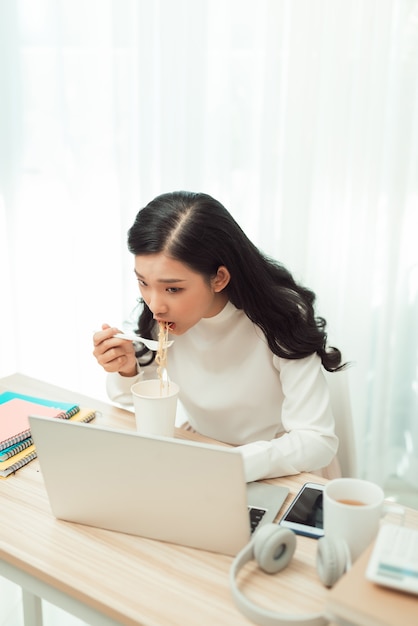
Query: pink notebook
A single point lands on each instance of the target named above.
(14, 421)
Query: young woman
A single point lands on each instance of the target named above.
(248, 350)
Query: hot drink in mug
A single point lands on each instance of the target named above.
(353, 509)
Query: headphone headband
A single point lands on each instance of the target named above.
(273, 547)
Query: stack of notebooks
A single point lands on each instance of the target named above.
(16, 444)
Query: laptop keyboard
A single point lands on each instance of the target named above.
(256, 515)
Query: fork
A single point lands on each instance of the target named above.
(151, 344)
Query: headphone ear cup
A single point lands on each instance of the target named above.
(332, 560)
(274, 547)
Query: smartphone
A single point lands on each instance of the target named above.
(305, 514)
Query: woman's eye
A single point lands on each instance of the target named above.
(173, 289)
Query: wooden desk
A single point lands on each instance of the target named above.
(108, 579)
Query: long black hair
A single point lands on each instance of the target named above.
(197, 230)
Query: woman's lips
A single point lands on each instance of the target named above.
(171, 325)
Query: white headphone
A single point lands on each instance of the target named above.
(273, 546)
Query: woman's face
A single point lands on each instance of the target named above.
(178, 295)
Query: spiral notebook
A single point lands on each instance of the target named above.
(15, 448)
(15, 409)
(20, 454)
(17, 461)
(68, 408)
(14, 419)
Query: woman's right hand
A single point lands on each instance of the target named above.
(113, 354)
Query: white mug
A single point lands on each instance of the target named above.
(353, 509)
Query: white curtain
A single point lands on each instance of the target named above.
(301, 116)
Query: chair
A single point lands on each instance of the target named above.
(344, 426)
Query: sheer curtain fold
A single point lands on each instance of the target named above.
(300, 116)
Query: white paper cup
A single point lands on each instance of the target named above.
(353, 509)
(155, 407)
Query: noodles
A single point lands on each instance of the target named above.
(161, 356)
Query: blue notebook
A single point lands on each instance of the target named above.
(14, 423)
(15, 448)
(68, 408)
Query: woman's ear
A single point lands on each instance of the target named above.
(221, 279)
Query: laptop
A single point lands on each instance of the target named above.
(183, 492)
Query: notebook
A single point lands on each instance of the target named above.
(67, 408)
(14, 422)
(18, 460)
(356, 600)
(20, 454)
(14, 411)
(182, 492)
(15, 448)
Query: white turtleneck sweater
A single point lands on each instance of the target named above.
(235, 390)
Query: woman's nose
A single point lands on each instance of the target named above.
(158, 306)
